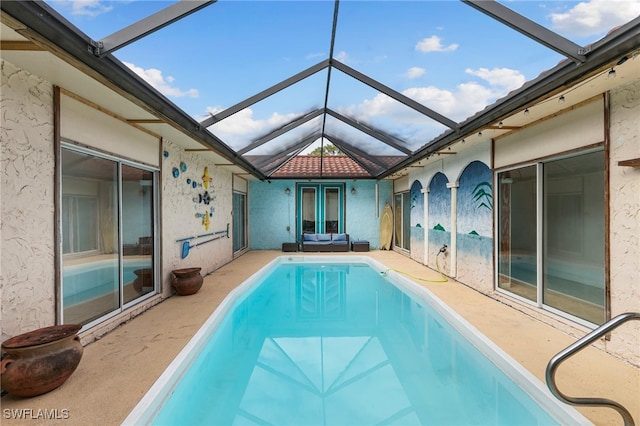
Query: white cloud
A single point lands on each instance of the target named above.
(458, 104)
(242, 126)
(342, 56)
(163, 84)
(415, 72)
(434, 44)
(315, 55)
(499, 78)
(90, 8)
(595, 17)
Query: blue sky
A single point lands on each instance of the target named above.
(443, 54)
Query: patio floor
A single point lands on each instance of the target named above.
(117, 370)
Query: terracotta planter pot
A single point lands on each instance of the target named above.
(41, 360)
(187, 281)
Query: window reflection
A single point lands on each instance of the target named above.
(89, 214)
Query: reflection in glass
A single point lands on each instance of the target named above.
(137, 232)
(406, 221)
(89, 215)
(94, 280)
(402, 216)
(308, 210)
(517, 258)
(239, 221)
(574, 277)
(331, 210)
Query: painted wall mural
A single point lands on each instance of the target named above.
(474, 214)
(417, 218)
(439, 211)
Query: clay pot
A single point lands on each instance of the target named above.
(187, 281)
(41, 360)
(144, 278)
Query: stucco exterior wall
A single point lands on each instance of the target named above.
(182, 214)
(27, 282)
(624, 201)
(362, 215)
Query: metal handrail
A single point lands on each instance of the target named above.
(578, 346)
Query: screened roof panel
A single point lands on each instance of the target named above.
(288, 139)
(439, 60)
(384, 79)
(363, 104)
(271, 113)
(228, 51)
(583, 22)
(360, 140)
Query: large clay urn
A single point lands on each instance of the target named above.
(40, 360)
(187, 281)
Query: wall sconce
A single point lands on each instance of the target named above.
(353, 190)
(287, 191)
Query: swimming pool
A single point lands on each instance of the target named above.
(393, 354)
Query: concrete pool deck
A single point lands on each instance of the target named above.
(117, 370)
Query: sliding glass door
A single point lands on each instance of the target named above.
(517, 219)
(239, 221)
(551, 234)
(107, 213)
(402, 209)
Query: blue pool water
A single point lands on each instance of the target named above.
(341, 344)
(88, 281)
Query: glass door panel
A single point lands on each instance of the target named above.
(89, 215)
(137, 232)
(574, 212)
(517, 232)
(397, 235)
(331, 210)
(308, 212)
(239, 221)
(406, 221)
(402, 219)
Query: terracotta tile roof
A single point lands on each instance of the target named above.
(332, 166)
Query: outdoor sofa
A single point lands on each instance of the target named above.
(325, 242)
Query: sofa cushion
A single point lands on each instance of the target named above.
(339, 237)
(309, 237)
(324, 237)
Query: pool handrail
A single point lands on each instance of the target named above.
(580, 344)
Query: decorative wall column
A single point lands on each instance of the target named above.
(425, 220)
(454, 228)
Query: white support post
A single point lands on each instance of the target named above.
(425, 224)
(454, 229)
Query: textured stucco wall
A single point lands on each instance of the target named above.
(362, 218)
(27, 280)
(625, 218)
(271, 210)
(179, 210)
